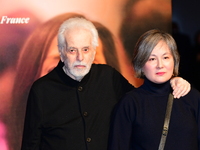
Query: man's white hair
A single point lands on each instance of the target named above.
(80, 23)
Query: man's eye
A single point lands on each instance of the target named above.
(72, 50)
(86, 49)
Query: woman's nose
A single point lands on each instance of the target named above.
(159, 64)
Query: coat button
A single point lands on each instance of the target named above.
(80, 88)
(88, 140)
(85, 114)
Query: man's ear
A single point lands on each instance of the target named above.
(61, 55)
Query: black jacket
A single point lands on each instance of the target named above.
(64, 114)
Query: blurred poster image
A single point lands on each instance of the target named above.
(28, 47)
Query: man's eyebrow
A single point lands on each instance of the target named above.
(86, 46)
(71, 47)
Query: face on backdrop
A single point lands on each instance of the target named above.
(160, 65)
(99, 56)
(51, 59)
(79, 54)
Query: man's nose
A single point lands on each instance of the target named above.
(80, 56)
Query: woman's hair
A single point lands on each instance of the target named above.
(109, 49)
(145, 45)
(74, 23)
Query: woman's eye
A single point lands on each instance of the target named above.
(166, 57)
(151, 59)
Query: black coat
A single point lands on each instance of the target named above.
(64, 114)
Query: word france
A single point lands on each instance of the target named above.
(7, 20)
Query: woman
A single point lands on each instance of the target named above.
(139, 117)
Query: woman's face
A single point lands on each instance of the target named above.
(160, 65)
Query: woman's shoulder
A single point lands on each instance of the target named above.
(193, 93)
(193, 97)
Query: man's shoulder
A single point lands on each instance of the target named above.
(108, 74)
(44, 80)
(103, 67)
(104, 71)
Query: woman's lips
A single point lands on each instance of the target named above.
(160, 73)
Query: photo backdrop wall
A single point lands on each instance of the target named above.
(28, 46)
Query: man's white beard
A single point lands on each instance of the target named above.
(77, 73)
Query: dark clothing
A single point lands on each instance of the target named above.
(64, 114)
(139, 117)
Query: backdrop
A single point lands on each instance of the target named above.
(28, 46)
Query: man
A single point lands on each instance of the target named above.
(70, 108)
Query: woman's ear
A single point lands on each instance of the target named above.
(142, 73)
